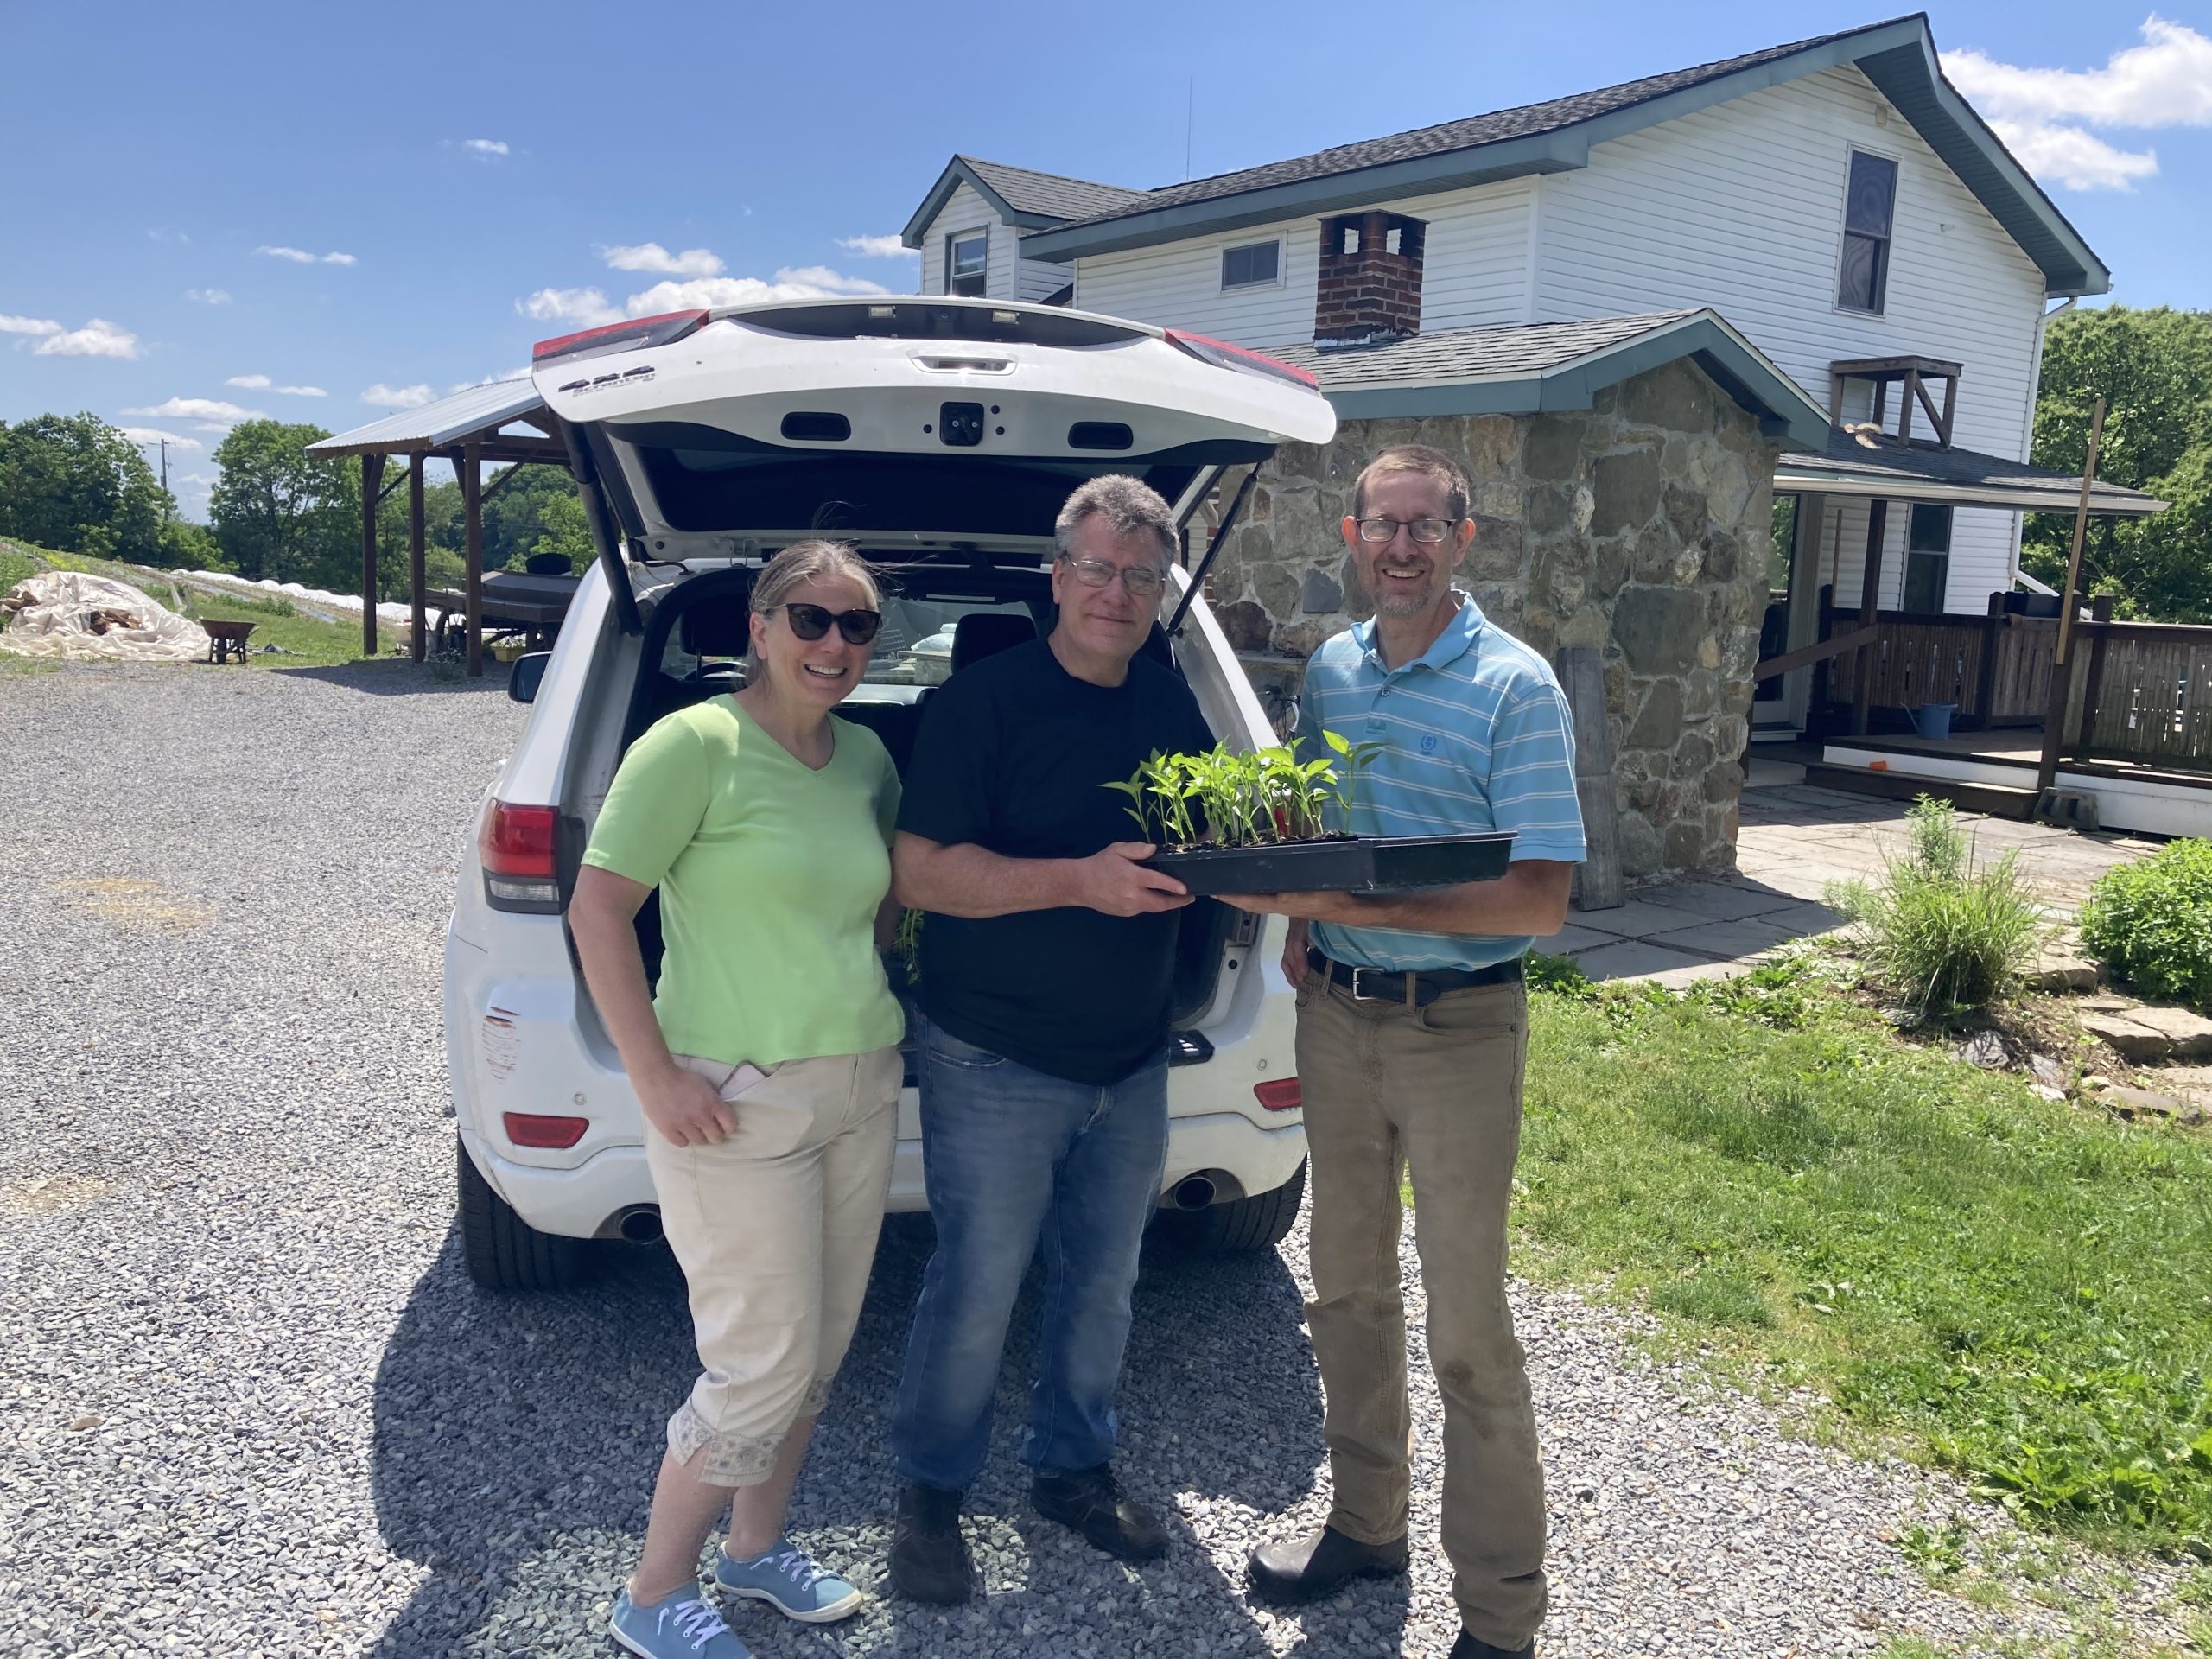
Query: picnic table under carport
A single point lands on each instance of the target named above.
(469, 430)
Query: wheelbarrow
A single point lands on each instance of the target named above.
(227, 640)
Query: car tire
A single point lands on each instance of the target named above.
(1259, 1222)
(502, 1250)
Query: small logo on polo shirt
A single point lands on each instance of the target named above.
(1428, 743)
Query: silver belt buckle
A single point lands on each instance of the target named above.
(1396, 992)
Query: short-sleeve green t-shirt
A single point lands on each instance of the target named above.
(769, 875)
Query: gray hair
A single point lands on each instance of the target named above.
(802, 562)
(1130, 506)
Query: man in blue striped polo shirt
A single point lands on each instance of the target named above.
(1412, 1032)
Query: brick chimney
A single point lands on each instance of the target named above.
(1369, 287)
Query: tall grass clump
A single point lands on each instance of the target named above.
(1934, 929)
(2150, 923)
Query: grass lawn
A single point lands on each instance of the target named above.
(305, 641)
(2015, 1289)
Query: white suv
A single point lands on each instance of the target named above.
(940, 436)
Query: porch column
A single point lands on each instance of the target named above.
(1804, 603)
(371, 479)
(1870, 595)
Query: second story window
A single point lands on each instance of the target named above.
(1870, 205)
(967, 257)
(1255, 264)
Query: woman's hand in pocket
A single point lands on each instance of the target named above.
(685, 1108)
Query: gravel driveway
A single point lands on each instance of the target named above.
(249, 1404)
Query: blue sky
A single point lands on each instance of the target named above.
(237, 206)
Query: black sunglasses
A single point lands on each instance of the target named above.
(812, 621)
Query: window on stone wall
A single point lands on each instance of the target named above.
(1927, 558)
(1255, 264)
(1869, 208)
(966, 260)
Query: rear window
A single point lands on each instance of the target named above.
(709, 485)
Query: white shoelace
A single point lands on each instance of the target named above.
(696, 1619)
(801, 1568)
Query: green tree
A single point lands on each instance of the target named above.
(74, 482)
(567, 532)
(281, 513)
(2154, 369)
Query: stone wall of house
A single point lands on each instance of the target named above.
(1640, 527)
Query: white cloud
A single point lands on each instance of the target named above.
(27, 325)
(490, 380)
(208, 295)
(650, 256)
(98, 337)
(585, 306)
(384, 397)
(213, 411)
(876, 247)
(2040, 113)
(809, 282)
(150, 434)
(302, 256)
(262, 382)
(487, 148)
(168, 236)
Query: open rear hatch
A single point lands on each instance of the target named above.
(916, 428)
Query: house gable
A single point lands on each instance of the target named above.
(1557, 136)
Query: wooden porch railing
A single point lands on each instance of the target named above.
(1995, 668)
(2144, 697)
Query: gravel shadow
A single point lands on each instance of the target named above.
(515, 1438)
(400, 676)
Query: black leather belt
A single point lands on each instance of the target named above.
(1384, 985)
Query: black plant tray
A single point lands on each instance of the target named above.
(1362, 864)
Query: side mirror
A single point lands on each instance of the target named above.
(523, 679)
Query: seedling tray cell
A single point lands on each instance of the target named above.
(1364, 864)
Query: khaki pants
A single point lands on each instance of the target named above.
(775, 1229)
(1437, 1089)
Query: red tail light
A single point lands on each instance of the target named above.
(1278, 1094)
(534, 1129)
(515, 845)
(1223, 355)
(618, 336)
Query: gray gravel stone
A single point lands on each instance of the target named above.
(250, 1404)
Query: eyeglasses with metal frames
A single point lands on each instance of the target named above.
(1142, 581)
(1429, 532)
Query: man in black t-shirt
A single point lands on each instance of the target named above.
(1046, 961)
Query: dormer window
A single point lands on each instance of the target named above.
(1870, 206)
(967, 262)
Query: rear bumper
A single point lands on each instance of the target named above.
(518, 1043)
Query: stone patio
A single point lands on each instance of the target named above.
(1795, 841)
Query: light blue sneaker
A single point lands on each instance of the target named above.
(682, 1624)
(791, 1581)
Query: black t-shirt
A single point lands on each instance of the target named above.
(1014, 754)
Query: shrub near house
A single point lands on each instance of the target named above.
(2149, 924)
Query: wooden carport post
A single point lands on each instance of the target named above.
(416, 579)
(371, 479)
(472, 495)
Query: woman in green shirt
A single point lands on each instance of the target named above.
(767, 1066)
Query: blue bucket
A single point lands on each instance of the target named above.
(1934, 719)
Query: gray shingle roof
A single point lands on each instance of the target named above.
(1471, 353)
(1847, 461)
(1465, 134)
(1049, 193)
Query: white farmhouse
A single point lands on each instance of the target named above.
(1825, 229)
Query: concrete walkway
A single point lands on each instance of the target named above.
(1794, 842)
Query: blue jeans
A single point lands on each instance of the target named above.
(1013, 1158)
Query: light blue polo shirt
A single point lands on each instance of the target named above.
(1475, 736)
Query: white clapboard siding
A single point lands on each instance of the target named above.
(1475, 271)
(1038, 280)
(1740, 208)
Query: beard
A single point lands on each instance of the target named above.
(1395, 599)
